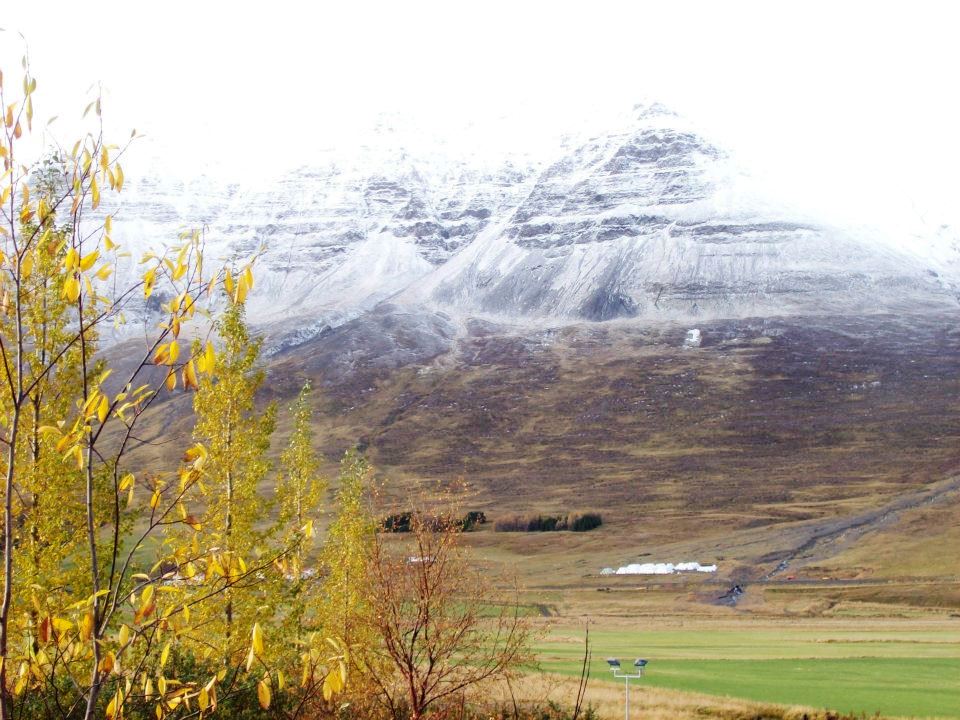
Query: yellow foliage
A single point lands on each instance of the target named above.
(71, 289)
(90, 614)
(263, 694)
(257, 640)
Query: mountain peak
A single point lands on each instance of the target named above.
(644, 221)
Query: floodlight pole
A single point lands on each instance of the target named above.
(626, 684)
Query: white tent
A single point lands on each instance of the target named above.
(662, 568)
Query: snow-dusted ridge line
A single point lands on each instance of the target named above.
(648, 221)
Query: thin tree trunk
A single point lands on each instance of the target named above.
(229, 592)
(229, 526)
(6, 702)
(95, 678)
(6, 705)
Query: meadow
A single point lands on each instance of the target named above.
(908, 668)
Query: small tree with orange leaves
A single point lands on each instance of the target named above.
(444, 627)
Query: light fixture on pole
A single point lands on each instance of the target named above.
(614, 664)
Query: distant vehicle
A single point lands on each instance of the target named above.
(791, 577)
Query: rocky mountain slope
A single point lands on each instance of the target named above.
(625, 326)
(647, 220)
(642, 222)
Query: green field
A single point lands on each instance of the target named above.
(901, 669)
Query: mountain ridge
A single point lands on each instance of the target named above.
(647, 221)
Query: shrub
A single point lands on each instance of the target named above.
(397, 523)
(585, 522)
(402, 522)
(549, 523)
(473, 518)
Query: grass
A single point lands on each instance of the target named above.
(762, 426)
(913, 547)
(728, 454)
(903, 669)
(646, 702)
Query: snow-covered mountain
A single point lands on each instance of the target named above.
(334, 237)
(647, 220)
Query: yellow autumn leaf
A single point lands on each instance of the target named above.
(71, 289)
(161, 355)
(263, 694)
(149, 277)
(63, 442)
(190, 377)
(257, 643)
(60, 627)
(123, 637)
(87, 262)
(115, 707)
(77, 453)
(103, 409)
(107, 663)
(241, 294)
(71, 259)
(207, 361)
(194, 453)
(104, 272)
(86, 626)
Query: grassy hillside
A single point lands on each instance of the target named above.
(736, 451)
(815, 462)
(830, 444)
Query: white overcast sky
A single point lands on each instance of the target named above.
(847, 108)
